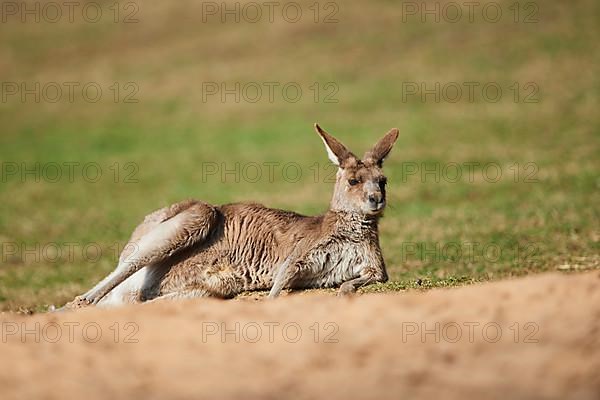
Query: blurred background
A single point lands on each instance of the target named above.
(110, 110)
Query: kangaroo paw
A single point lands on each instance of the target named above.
(347, 289)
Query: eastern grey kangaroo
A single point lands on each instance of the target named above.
(195, 249)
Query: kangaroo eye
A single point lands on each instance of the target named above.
(353, 182)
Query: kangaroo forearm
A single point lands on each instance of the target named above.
(283, 275)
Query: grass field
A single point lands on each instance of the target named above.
(357, 75)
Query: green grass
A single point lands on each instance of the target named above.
(171, 133)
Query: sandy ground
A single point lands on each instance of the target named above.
(537, 337)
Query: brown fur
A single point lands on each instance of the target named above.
(196, 249)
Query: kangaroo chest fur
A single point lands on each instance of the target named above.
(343, 255)
(334, 264)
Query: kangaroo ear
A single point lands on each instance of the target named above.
(382, 148)
(337, 152)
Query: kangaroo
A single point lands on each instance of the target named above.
(195, 249)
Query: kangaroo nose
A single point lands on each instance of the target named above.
(375, 199)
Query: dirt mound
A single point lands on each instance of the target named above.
(537, 337)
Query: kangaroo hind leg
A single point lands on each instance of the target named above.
(162, 234)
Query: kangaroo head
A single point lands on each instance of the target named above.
(360, 184)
